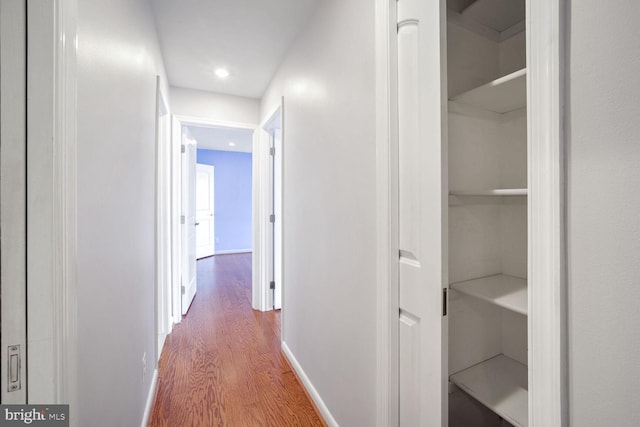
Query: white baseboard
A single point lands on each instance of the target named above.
(311, 390)
(149, 405)
(233, 251)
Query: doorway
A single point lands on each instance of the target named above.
(206, 228)
(224, 189)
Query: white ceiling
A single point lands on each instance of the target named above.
(248, 37)
(218, 138)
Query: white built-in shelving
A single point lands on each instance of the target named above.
(508, 93)
(500, 384)
(497, 192)
(506, 291)
(487, 218)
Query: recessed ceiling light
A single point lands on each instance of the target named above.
(232, 144)
(222, 73)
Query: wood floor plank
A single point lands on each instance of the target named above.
(222, 365)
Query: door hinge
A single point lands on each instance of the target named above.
(14, 381)
(183, 148)
(183, 290)
(272, 218)
(272, 151)
(272, 285)
(444, 302)
(182, 220)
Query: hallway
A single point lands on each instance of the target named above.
(222, 365)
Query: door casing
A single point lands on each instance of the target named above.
(270, 264)
(178, 121)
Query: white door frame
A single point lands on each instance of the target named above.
(164, 263)
(51, 208)
(177, 122)
(548, 397)
(265, 258)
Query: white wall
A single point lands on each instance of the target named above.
(329, 310)
(604, 212)
(214, 106)
(118, 60)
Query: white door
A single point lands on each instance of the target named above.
(205, 240)
(422, 212)
(188, 219)
(13, 214)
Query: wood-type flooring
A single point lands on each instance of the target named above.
(222, 365)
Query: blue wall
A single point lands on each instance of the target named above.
(232, 198)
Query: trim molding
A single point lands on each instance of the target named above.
(263, 189)
(548, 397)
(65, 184)
(150, 397)
(177, 122)
(206, 122)
(308, 387)
(387, 362)
(233, 251)
(65, 206)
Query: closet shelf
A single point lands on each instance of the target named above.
(502, 95)
(500, 384)
(506, 291)
(495, 192)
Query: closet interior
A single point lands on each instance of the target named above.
(487, 213)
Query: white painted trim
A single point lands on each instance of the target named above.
(163, 250)
(176, 227)
(311, 390)
(262, 185)
(387, 380)
(51, 209)
(256, 228)
(149, 405)
(65, 212)
(205, 122)
(548, 397)
(181, 120)
(233, 251)
(260, 277)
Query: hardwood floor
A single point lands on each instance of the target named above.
(222, 365)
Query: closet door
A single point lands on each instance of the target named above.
(422, 212)
(13, 200)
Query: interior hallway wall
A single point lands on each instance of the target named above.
(232, 199)
(604, 206)
(118, 60)
(214, 106)
(329, 312)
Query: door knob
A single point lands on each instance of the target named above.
(197, 223)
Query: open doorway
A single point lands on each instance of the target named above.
(223, 189)
(211, 202)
